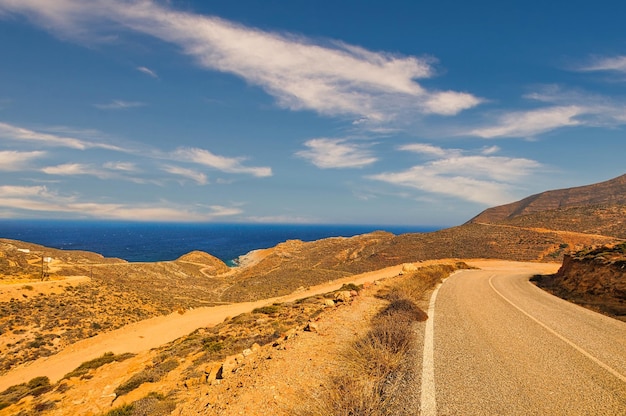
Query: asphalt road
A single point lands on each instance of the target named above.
(502, 346)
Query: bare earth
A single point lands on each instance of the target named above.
(270, 386)
(150, 333)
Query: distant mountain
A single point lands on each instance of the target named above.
(593, 209)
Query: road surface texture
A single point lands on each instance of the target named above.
(502, 346)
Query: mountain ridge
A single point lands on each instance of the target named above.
(610, 192)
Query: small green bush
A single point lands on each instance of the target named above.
(35, 387)
(107, 358)
(350, 286)
(125, 410)
(267, 310)
(148, 375)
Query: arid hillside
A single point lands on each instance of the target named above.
(85, 294)
(596, 209)
(51, 299)
(595, 278)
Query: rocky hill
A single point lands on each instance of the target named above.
(599, 209)
(48, 305)
(595, 278)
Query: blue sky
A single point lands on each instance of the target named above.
(379, 112)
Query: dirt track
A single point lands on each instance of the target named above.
(151, 333)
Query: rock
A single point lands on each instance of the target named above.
(211, 371)
(343, 296)
(290, 333)
(329, 302)
(408, 268)
(255, 347)
(354, 293)
(229, 366)
(311, 327)
(246, 352)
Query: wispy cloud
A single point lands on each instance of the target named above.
(336, 154)
(479, 178)
(426, 149)
(119, 105)
(198, 177)
(73, 169)
(16, 133)
(121, 166)
(531, 123)
(612, 63)
(11, 160)
(331, 78)
(147, 71)
(221, 163)
(41, 199)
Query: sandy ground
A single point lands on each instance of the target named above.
(151, 333)
(291, 380)
(30, 287)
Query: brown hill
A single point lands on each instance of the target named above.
(597, 208)
(595, 278)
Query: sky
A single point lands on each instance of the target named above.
(291, 111)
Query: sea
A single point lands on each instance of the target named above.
(149, 242)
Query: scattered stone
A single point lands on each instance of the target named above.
(211, 371)
(408, 268)
(290, 333)
(311, 327)
(343, 296)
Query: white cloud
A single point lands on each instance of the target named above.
(11, 132)
(199, 177)
(613, 63)
(531, 123)
(11, 160)
(222, 163)
(427, 149)
(477, 178)
(40, 199)
(71, 169)
(450, 103)
(490, 150)
(333, 78)
(21, 191)
(336, 153)
(121, 166)
(119, 105)
(147, 71)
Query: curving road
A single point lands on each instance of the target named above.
(502, 346)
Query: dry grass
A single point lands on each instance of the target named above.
(375, 370)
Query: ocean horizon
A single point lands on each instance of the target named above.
(149, 242)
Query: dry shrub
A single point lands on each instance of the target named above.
(376, 366)
(350, 396)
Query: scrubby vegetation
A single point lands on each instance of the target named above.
(35, 387)
(41, 325)
(379, 368)
(87, 366)
(150, 374)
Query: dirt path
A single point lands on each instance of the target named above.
(151, 333)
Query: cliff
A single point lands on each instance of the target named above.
(595, 278)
